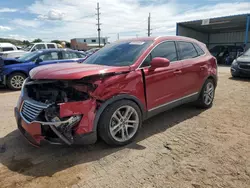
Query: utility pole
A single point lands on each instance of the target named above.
(149, 29)
(98, 24)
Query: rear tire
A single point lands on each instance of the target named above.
(15, 81)
(206, 97)
(120, 122)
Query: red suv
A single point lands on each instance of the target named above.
(114, 90)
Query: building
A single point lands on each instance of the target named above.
(229, 30)
(88, 43)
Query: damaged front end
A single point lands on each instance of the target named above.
(59, 112)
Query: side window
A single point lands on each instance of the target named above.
(50, 56)
(51, 46)
(5, 49)
(187, 50)
(165, 50)
(198, 49)
(70, 55)
(39, 47)
(80, 55)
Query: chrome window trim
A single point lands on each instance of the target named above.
(139, 67)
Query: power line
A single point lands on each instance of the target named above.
(98, 24)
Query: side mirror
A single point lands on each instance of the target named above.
(158, 62)
(38, 60)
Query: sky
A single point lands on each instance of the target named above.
(67, 19)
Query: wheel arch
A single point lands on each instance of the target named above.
(115, 99)
(17, 71)
(212, 77)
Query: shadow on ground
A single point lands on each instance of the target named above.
(242, 79)
(18, 156)
(4, 89)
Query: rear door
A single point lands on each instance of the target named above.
(162, 84)
(194, 67)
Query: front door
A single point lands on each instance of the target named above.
(162, 84)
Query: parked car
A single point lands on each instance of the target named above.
(91, 51)
(241, 65)
(14, 71)
(31, 48)
(39, 46)
(12, 54)
(226, 54)
(4, 47)
(114, 90)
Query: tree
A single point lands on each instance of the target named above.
(67, 45)
(26, 42)
(37, 40)
(56, 41)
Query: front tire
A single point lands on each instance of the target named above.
(15, 81)
(206, 97)
(120, 122)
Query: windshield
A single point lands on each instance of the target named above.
(28, 56)
(123, 53)
(28, 48)
(247, 53)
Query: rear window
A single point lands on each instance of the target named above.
(187, 50)
(198, 49)
(5, 49)
(51, 46)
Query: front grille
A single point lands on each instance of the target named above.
(31, 111)
(245, 66)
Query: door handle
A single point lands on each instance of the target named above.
(177, 72)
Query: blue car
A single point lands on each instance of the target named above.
(14, 71)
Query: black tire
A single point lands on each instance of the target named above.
(17, 86)
(104, 124)
(201, 102)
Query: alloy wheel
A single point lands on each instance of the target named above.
(124, 123)
(17, 81)
(208, 93)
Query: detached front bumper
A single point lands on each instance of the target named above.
(36, 132)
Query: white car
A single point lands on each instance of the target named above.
(39, 46)
(12, 54)
(27, 49)
(4, 47)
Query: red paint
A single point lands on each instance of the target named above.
(34, 130)
(85, 108)
(162, 84)
(72, 71)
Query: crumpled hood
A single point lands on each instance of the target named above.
(244, 59)
(9, 61)
(72, 71)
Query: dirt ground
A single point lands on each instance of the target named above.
(184, 147)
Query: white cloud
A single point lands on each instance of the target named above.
(4, 28)
(7, 10)
(17, 37)
(27, 23)
(73, 18)
(52, 15)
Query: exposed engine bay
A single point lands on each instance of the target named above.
(55, 91)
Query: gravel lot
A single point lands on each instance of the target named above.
(184, 147)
